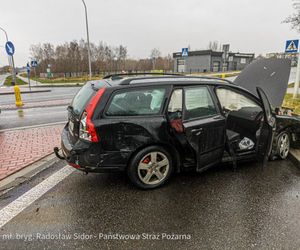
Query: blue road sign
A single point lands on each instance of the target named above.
(185, 52)
(10, 48)
(291, 46)
(33, 63)
(28, 68)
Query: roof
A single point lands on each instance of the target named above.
(213, 53)
(199, 53)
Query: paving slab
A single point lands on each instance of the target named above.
(20, 148)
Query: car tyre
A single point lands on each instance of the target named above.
(283, 145)
(150, 168)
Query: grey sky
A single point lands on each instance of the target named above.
(248, 25)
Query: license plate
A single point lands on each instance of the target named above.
(71, 127)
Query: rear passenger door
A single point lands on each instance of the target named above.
(204, 126)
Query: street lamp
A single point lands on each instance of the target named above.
(12, 59)
(88, 40)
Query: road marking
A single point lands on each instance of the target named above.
(33, 126)
(17, 206)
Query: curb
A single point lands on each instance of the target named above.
(27, 92)
(294, 158)
(27, 173)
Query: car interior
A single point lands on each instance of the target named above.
(243, 121)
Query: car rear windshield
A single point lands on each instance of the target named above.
(85, 94)
(136, 102)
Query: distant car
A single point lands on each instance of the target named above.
(153, 126)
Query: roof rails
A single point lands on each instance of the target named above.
(157, 76)
(117, 76)
(129, 80)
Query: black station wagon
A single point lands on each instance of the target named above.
(154, 125)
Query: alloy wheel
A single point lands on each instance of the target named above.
(153, 168)
(284, 145)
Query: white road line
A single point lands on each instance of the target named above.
(17, 206)
(33, 126)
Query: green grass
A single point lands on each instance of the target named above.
(9, 79)
(294, 104)
(64, 80)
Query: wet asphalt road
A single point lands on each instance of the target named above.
(10, 119)
(219, 209)
(57, 93)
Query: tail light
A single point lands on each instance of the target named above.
(87, 129)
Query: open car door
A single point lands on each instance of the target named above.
(267, 129)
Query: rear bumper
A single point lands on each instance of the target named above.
(89, 157)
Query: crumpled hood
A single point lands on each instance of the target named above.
(272, 75)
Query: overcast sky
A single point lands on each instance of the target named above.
(248, 25)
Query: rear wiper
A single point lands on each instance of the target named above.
(93, 87)
(70, 108)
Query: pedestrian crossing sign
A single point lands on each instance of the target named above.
(292, 46)
(185, 52)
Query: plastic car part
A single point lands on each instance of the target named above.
(246, 144)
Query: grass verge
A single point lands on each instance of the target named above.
(18, 81)
(294, 104)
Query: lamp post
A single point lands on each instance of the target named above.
(11, 62)
(88, 40)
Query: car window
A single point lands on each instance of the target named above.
(198, 103)
(234, 101)
(137, 102)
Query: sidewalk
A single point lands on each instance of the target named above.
(34, 83)
(21, 148)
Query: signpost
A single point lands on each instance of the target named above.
(292, 46)
(28, 75)
(34, 64)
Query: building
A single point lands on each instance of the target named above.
(211, 61)
(292, 56)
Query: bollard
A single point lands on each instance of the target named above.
(223, 76)
(19, 102)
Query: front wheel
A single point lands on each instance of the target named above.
(283, 145)
(150, 168)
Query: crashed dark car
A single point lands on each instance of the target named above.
(153, 126)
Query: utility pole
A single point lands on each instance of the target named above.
(11, 62)
(88, 40)
(296, 86)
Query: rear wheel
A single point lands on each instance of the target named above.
(283, 145)
(150, 167)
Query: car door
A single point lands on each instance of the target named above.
(203, 125)
(267, 130)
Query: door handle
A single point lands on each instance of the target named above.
(198, 131)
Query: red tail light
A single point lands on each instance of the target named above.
(87, 128)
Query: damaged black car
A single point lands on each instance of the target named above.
(151, 126)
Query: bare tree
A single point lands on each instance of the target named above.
(294, 19)
(213, 45)
(155, 54)
(71, 58)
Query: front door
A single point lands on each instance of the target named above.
(268, 128)
(203, 125)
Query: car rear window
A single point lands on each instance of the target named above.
(136, 102)
(85, 94)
